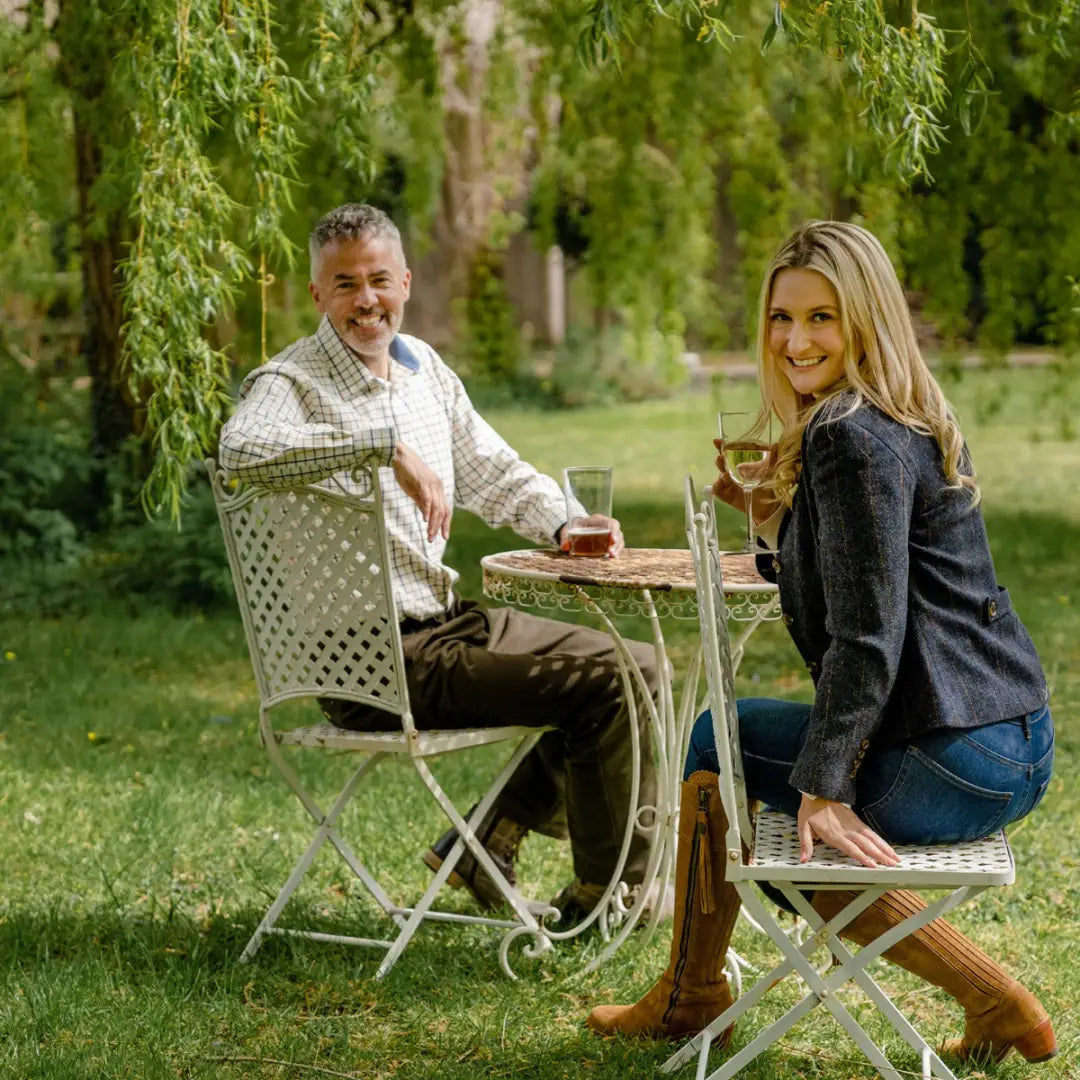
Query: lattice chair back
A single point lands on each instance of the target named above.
(312, 576)
(719, 672)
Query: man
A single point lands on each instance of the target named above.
(358, 386)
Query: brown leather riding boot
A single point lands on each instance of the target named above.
(1000, 1014)
(693, 990)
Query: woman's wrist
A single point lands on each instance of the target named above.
(823, 798)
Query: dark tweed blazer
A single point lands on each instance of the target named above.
(888, 590)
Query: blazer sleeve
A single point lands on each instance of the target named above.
(862, 495)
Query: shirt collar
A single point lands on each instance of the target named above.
(348, 368)
(401, 352)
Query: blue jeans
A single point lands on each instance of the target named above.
(940, 788)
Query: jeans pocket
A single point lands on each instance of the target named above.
(928, 804)
(1040, 782)
(1040, 791)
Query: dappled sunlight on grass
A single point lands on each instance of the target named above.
(137, 863)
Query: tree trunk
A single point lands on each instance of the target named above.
(485, 169)
(85, 67)
(113, 413)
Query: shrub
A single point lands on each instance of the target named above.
(42, 462)
(185, 567)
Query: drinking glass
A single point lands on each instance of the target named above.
(588, 499)
(747, 449)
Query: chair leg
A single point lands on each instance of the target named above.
(856, 966)
(1000, 1013)
(406, 919)
(326, 831)
(466, 838)
(822, 990)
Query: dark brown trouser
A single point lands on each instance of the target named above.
(489, 667)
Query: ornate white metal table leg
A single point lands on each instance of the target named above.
(612, 911)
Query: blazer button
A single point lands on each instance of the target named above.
(991, 608)
(776, 564)
(813, 667)
(788, 619)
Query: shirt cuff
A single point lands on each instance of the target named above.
(769, 529)
(809, 796)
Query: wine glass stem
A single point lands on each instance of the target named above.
(749, 495)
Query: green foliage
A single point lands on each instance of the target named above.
(37, 193)
(185, 265)
(31, 526)
(492, 346)
(42, 466)
(134, 566)
(210, 135)
(69, 542)
(992, 245)
(156, 564)
(899, 56)
(630, 165)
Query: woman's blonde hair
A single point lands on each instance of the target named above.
(883, 364)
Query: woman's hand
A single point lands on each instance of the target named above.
(726, 490)
(840, 827)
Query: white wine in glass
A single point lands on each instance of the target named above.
(746, 458)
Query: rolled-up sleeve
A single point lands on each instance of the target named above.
(862, 498)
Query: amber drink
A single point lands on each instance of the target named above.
(590, 542)
(588, 509)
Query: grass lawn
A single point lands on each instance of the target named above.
(142, 832)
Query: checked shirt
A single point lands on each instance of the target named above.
(315, 410)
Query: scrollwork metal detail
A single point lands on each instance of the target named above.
(556, 596)
(542, 945)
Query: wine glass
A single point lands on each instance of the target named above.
(747, 448)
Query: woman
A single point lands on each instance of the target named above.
(930, 721)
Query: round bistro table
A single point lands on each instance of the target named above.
(657, 583)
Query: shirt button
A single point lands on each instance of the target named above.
(788, 619)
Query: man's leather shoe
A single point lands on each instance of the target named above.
(501, 838)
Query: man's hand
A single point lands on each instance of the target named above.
(840, 827)
(424, 487)
(727, 491)
(595, 521)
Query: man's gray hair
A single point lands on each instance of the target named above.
(353, 221)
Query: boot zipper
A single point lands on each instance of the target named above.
(693, 883)
(705, 887)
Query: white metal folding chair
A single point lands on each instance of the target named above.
(311, 572)
(966, 869)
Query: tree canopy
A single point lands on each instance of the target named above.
(176, 153)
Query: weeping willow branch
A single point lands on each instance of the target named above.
(183, 268)
(665, 167)
(195, 66)
(900, 69)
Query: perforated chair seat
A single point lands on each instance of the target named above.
(777, 857)
(426, 743)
